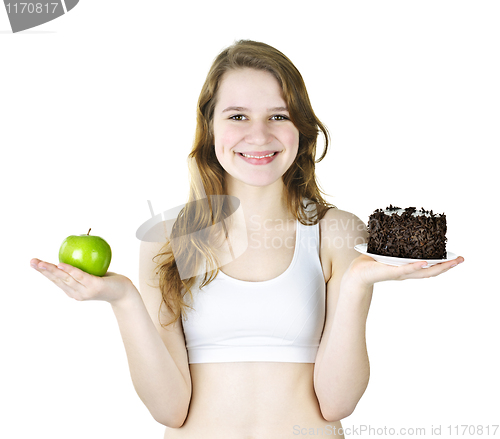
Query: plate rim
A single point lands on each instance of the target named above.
(361, 248)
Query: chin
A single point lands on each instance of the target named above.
(255, 182)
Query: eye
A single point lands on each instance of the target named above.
(279, 117)
(237, 117)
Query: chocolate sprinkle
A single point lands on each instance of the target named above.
(407, 236)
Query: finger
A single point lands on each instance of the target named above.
(408, 271)
(437, 269)
(445, 266)
(60, 278)
(78, 275)
(86, 285)
(37, 264)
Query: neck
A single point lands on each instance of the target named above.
(261, 203)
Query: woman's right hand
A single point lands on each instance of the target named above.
(79, 285)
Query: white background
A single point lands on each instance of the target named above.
(97, 116)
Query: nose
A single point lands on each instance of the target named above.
(259, 133)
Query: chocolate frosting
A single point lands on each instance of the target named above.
(404, 235)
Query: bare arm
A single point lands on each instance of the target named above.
(157, 356)
(342, 367)
(157, 378)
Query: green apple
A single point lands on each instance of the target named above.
(89, 253)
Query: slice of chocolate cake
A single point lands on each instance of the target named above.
(407, 233)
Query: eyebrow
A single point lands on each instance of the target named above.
(246, 109)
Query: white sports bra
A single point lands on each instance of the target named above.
(278, 320)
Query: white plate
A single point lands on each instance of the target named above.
(390, 260)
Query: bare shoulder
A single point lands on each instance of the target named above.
(172, 335)
(340, 232)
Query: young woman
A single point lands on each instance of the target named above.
(250, 320)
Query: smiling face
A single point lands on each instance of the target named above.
(250, 118)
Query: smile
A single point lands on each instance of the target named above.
(257, 157)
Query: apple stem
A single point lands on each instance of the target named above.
(88, 231)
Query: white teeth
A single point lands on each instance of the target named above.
(257, 157)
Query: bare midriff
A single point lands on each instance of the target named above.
(253, 400)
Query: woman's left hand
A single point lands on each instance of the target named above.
(367, 271)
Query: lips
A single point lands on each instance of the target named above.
(265, 157)
(256, 154)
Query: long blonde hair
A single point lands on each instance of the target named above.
(194, 230)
